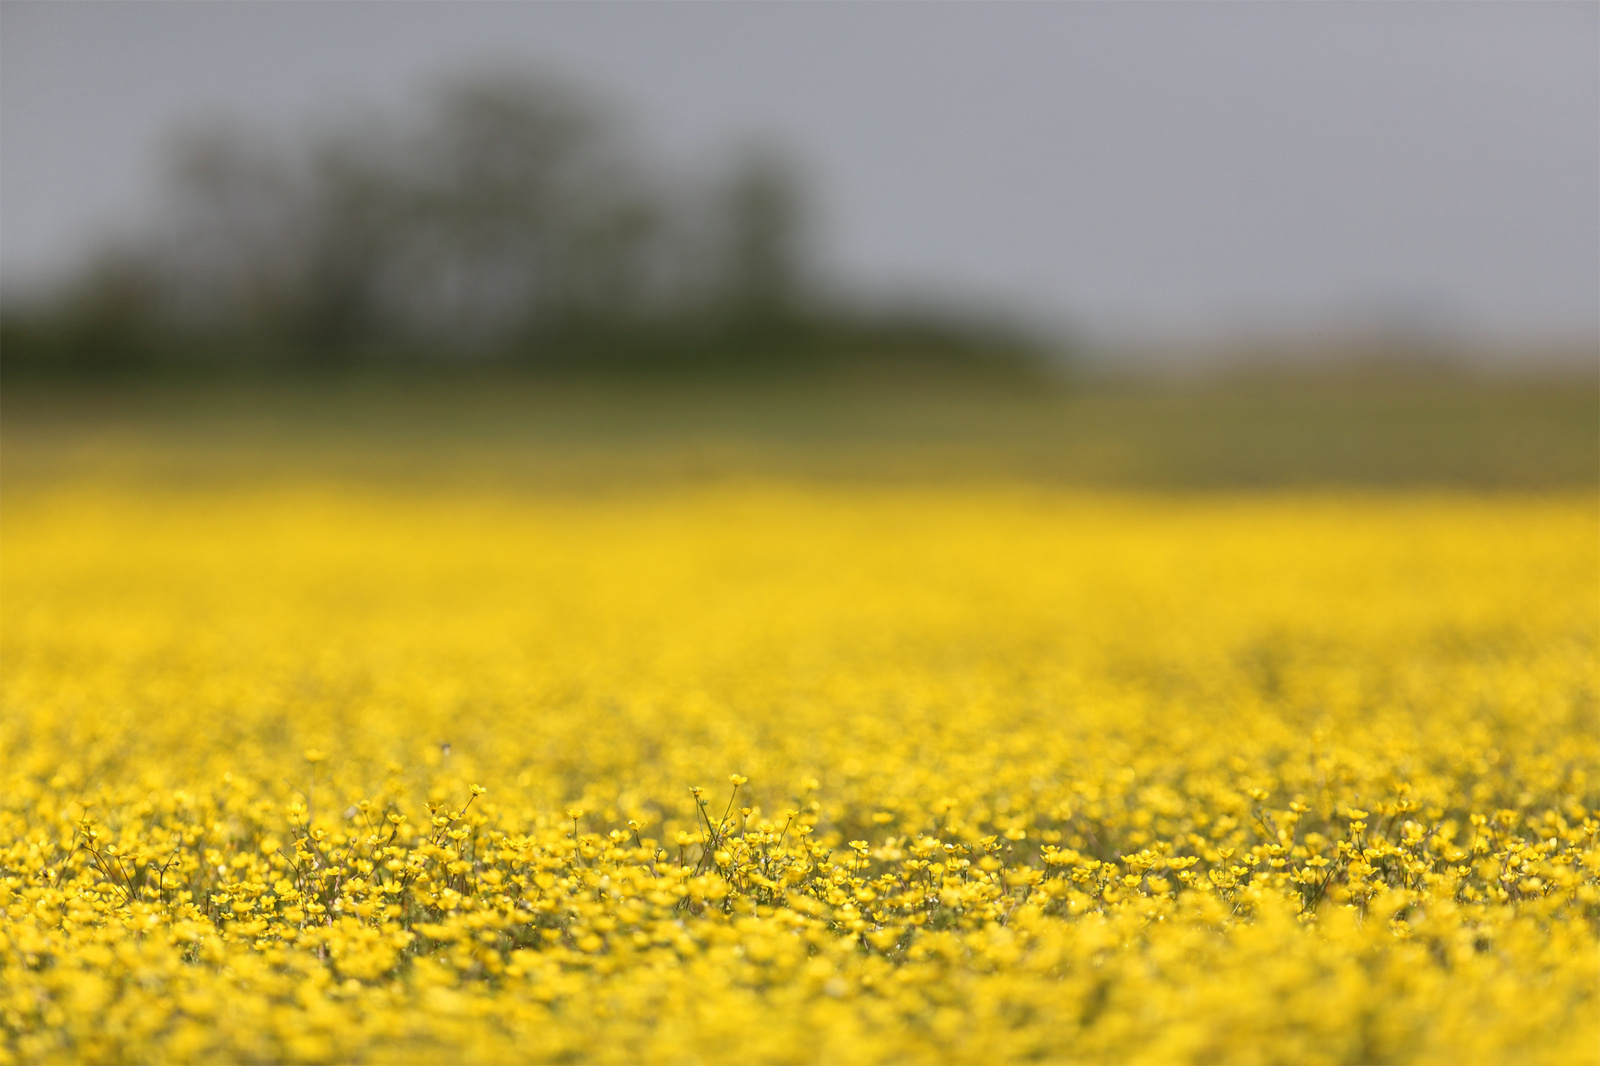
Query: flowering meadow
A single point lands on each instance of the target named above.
(775, 770)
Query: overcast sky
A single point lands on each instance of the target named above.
(1135, 169)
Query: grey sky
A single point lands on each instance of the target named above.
(1143, 168)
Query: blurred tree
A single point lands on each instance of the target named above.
(523, 214)
(105, 322)
(350, 224)
(764, 217)
(507, 218)
(232, 255)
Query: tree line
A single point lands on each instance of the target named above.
(506, 221)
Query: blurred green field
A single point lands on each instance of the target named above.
(1390, 431)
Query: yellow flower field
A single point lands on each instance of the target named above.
(790, 771)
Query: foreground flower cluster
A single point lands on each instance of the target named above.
(768, 774)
